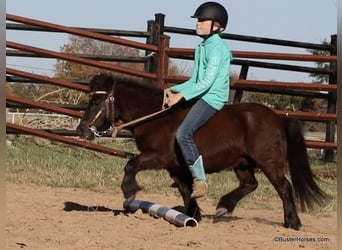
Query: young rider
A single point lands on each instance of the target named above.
(209, 84)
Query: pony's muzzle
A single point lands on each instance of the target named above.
(84, 132)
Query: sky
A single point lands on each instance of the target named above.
(299, 20)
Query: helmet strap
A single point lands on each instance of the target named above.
(212, 27)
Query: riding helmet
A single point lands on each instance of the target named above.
(213, 11)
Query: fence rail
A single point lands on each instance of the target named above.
(156, 59)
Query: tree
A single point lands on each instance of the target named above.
(75, 71)
(88, 46)
(321, 105)
(321, 78)
(284, 102)
(277, 101)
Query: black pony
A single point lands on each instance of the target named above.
(242, 137)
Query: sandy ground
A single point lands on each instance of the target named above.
(37, 218)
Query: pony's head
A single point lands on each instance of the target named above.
(99, 115)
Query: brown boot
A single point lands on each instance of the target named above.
(199, 189)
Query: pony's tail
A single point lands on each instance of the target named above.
(306, 190)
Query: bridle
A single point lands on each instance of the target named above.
(109, 108)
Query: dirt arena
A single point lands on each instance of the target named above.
(38, 218)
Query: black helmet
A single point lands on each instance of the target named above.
(213, 11)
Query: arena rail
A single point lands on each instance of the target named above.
(159, 59)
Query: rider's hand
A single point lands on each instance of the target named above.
(172, 98)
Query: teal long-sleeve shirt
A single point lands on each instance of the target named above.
(210, 76)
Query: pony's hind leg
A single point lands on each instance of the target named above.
(248, 184)
(284, 189)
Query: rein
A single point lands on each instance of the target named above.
(115, 129)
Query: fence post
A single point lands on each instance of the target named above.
(239, 92)
(332, 99)
(163, 60)
(155, 28)
(160, 20)
(149, 65)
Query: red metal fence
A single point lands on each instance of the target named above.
(156, 68)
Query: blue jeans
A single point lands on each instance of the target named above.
(198, 115)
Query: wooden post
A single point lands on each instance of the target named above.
(239, 92)
(332, 100)
(163, 61)
(156, 28)
(160, 20)
(149, 65)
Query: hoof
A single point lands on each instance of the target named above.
(294, 226)
(293, 222)
(220, 212)
(130, 199)
(127, 205)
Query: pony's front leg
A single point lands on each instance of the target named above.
(147, 160)
(191, 207)
(129, 185)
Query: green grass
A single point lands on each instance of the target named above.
(36, 160)
(60, 165)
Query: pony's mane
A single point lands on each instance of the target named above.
(100, 82)
(138, 83)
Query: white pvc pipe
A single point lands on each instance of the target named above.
(156, 210)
